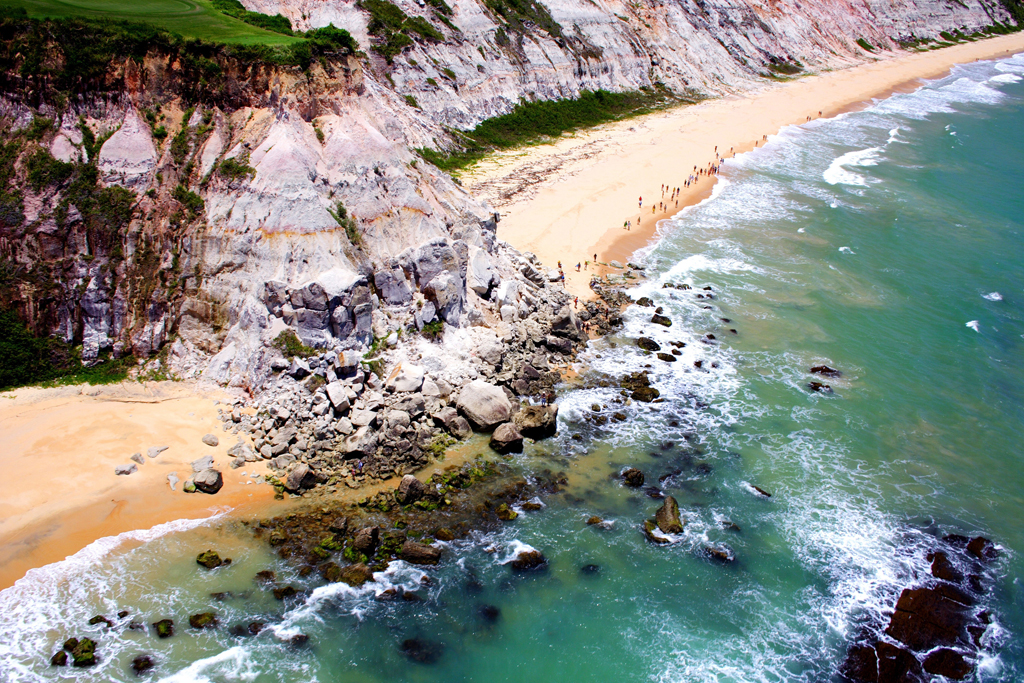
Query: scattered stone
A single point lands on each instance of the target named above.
(126, 469)
(648, 344)
(505, 513)
(265, 577)
(507, 439)
(164, 628)
(209, 559)
(283, 592)
(667, 517)
(948, 663)
(644, 301)
(301, 477)
(720, 553)
(203, 463)
(826, 371)
(645, 394)
(208, 481)
(659, 319)
(408, 379)
(418, 553)
(633, 477)
(760, 491)
(60, 658)
(819, 387)
(141, 664)
(189, 486)
(594, 520)
(100, 619)
(137, 457)
(210, 440)
(356, 574)
(203, 620)
(156, 450)
(410, 489)
(365, 540)
(172, 479)
(667, 357)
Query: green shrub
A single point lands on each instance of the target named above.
(159, 132)
(865, 45)
(432, 82)
(519, 13)
(434, 330)
(235, 168)
(192, 202)
(411, 101)
(38, 128)
(43, 170)
(289, 344)
(180, 144)
(449, 73)
(340, 214)
(392, 26)
(785, 68)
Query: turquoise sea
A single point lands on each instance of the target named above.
(887, 243)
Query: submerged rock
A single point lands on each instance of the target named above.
(164, 628)
(633, 477)
(209, 559)
(203, 620)
(422, 651)
(529, 560)
(142, 663)
(826, 371)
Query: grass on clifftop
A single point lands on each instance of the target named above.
(532, 122)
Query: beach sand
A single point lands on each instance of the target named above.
(567, 201)
(60, 447)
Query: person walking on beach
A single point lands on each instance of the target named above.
(576, 303)
(577, 267)
(641, 201)
(586, 264)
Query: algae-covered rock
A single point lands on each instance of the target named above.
(418, 553)
(60, 658)
(164, 628)
(209, 559)
(84, 653)
(356, 574)
(141, 664)
(203, 620)
(529, 560)
(506, 513)
(667, 517)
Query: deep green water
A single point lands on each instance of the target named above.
(868, 243)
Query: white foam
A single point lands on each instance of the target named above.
(838, 174)
(512, 550)
(973, 325)
(1005, 78)
(233, 664)
(993, 296)
(847, 250)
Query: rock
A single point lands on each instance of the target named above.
(489, 613)
(70, 644)
(558, 344)
(943, 569)
(594, 520)
(330, 571)
(720, 553)
(505, 513)
(101, 619)
(948, 663)
(209, 559)
(648, 344)
(126, 469)
(422, 651)
(826, 371)
(982, 548)
(164, 628)
(667, 357)
(450, 419)
(507, 439)
(141, 664)
(930, 616)
(298, 368)
(203, 620)
(60, 658)
(633, 477)
(645, 394)
(282, 461)
(337, 395)
(444, 292)
(365, 540)
(356, 574)
(818, 386)
(566, 324)
(529, 560)
(156, 450)
(590, 569)
(667, 517)
(659, 319)
(203, 463)
(137, 457)
(760, 491)
(896, 664)
(189, 486)
(84, 653)
(208, 481)
(265, 577)
(485, 405)
(418, 553)
(210, 440)
(410, 489)
(362, 418)
(409, 378)
(361, 443)
(537, 422)
(644, 301)
(301, 477)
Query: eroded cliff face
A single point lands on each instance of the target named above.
(710, 46)
(290, 198)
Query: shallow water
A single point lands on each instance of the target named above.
(867, 242)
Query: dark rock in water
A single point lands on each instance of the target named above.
(761, 491)
(505, 513)
(265, 577)
(164, 628)
(590, 569)
(254, 628)
(356, 574)
(84, 654)
(667, 357)
(529, 560)
(709, 336)
(418, 553)
(594, 520)
(100, 619)
(645, 394)
(507, 439)
(896, 664)
(282, 592)
(203, 620)
(667, 517)
(957, 541)
(661, 320)
(122, 614)
(819, 387)
(537, 422)
(365, 540)
(633, 477)
(943, 569)
(530, 506)
(648, 344)
(982, 548)
(60, 658)
(209, 559)
(410, 490)
(649, 531)
(619, 417)
(948, 663)
(730, 526)
(489, 613)
(644, 301)
(422, 651)
(444, 534)
(208, 481)
(698, 364)
(142, 663)
(654, 492)
(930, 616)
(720, 553)
(299, 640)
(338, 526)
(221, 596)
(861, 665)
(136, 626)
(70, 644)
(408, 596)
(826, 371)
(330, 571)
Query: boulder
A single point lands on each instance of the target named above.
(141, 664)
(929, 616)
(365, 540)
(126, 469)
(819, 387)
(137, 457)
(445, 291)
(164, 628)
(301, 477)
(659, 319)
(337, 395)
(667, 357)
(644, 301)
(537, 422)
(450, 419)
(419, 553)
(529, 560)
(361, 443)
(566, 324)
(507, 439)
(648, 344)
(203, 463)
(409, 378)
(485, 405)
(982, 548)
(60, 658)
(392, 284)
(667, 517)
(948, 663)
(410, 489)
(558, 344)
(826, 371)
(208, 481)
(210, 440)
(480, 273)
(298, 368)
(203, 620)
(209, 559)
(645, 394)
(633, 477)
(356, 574)
(156, 450)
(84, 653)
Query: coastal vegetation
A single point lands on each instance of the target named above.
(532, 122)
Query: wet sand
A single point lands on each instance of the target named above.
(567, 201)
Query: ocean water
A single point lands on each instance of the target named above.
(886, 243)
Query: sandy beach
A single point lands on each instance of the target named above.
(567, 201)
(60, 448)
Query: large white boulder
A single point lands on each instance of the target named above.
(483, 404)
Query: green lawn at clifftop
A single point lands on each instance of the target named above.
(188, 18)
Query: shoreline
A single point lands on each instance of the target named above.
(567, 200)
